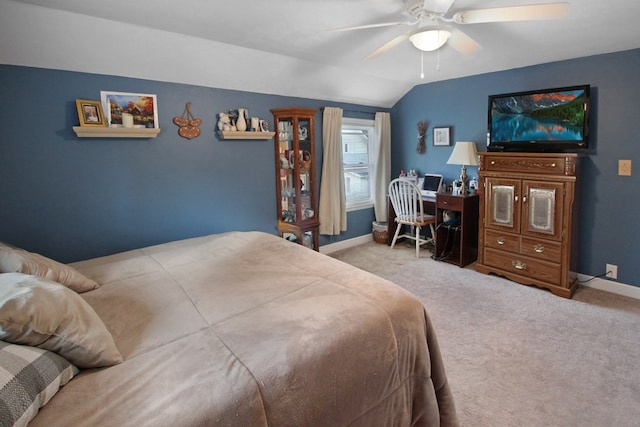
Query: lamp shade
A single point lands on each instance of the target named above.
(430, 39)
(464, 153)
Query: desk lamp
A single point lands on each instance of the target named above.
(465, 154)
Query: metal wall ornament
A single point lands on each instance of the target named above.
(422, 132)
(189, 125)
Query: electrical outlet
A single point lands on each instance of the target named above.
(624, 167)
(612, 271)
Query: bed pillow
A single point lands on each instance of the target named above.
(29, 378)
(37, 312)
(14, 260)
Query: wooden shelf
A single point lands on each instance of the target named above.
(107, 132)
(236, 134)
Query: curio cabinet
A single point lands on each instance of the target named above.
(296, 188)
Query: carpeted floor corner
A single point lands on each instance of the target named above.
(517, 355)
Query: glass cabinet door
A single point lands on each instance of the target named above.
(296, 186)
(287, 163)
(540, 209)
(503, 204)
(307, 184)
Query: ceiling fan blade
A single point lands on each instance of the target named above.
(512, 13)
(362, 27)
(437, 6)
(390, 45)
(463, 43)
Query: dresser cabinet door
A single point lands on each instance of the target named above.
(542, 209)
(503, 204)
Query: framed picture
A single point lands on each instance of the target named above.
(90, 113)
(264, 126)
(143, 107)
(442, 136)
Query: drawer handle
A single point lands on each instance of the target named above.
(444, 202)
(519, 265)
(500, 240)
(493, 162)
(538, 248)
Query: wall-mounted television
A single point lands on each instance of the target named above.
(553, 120)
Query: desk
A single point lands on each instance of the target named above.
(428, 206)
(459, 245)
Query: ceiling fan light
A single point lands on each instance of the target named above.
(430, 40)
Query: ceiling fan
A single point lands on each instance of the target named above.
(434, 28)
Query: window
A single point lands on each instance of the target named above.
(357, 142)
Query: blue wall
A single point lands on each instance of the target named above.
(609, 208)
(73, 199)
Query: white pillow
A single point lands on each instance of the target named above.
(37, 312)
(14, 260)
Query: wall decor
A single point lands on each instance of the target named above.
(143, 107)
(90, 113)
(254, 124)
(241, 121)
(187, 123)
(442, 136)
(236, 124)
(422, 132)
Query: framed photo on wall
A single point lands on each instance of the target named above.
(143, 107)
(442, 136)
(90, 113)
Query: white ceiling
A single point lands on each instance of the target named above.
(283, 46)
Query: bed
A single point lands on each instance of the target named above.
(247, 329)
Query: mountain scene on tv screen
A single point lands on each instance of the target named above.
(549, 116)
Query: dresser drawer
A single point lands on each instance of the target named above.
(503, 241)
(524, 164)
(523, 265)
(453, 203)
(541, 249)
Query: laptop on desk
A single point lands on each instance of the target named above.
(431, 184)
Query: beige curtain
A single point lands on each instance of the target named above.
(382, 162)
(333, 211)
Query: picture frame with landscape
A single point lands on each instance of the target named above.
(143, 107)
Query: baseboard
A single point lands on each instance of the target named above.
(609, 286)
(346, 244)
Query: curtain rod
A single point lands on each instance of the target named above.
(355, 111)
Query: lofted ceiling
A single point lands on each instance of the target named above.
(284, 47)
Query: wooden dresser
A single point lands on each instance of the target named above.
(528, 228)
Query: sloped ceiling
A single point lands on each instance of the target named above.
(284, 47)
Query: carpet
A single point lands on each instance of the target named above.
(518, 355)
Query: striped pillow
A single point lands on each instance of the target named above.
(29, 378)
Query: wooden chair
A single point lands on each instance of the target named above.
(407, 203)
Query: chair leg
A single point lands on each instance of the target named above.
(395, 236)
(417, 241)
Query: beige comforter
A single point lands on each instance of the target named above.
(247, 329)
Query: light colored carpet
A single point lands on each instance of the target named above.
(517, 355)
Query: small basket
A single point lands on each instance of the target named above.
(380, 232)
